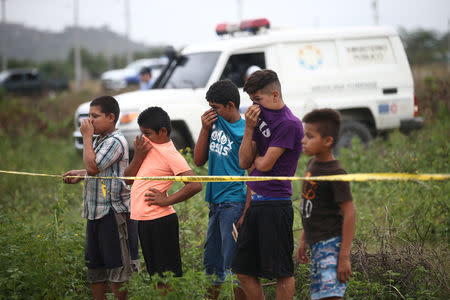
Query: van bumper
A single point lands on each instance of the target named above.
(409, 125)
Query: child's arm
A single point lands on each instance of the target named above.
(302, 256)
(247, 150)
(87, 131)
(201, 147)
(141, 148)
(265, 163)
(155, 197)
(247, 204)
(348, 230)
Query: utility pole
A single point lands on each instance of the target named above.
(77, 47)
(375, 12)
(4, 56)
(127, 30)
(239, 10)
(448, 45)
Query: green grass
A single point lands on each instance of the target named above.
(401, 248)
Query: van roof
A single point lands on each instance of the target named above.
(277, 35)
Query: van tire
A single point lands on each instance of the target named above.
(350, 129)
(178, 139)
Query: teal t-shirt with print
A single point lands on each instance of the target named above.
(224, 142)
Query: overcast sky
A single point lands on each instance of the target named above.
(181, 22)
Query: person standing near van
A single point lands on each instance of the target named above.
(271, 145)
(151, 205)
(146, 79)
(111, 251)
(328, 213)
(250, 70)
(218, 143)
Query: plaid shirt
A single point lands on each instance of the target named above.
(111, 156)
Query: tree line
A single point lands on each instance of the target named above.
(93, 65)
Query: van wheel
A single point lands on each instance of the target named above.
(179, 140)
(349, 130)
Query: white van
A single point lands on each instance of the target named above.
(362, 72)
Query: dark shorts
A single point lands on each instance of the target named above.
(111, 251)
(160, 245)
(265, 242)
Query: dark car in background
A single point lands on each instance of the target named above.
(29, 81)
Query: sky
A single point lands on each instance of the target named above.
(181, 22)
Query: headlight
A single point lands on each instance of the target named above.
(128, 117)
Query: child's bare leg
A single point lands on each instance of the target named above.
(213, 292)
(251, 286)
(98, 290)
(239, 294)
(164, 288)
(285, 288)
(121, 295)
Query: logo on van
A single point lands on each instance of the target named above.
(310, 57)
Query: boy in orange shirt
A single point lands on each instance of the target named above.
(156, 155)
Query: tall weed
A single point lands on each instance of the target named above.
(401, 248)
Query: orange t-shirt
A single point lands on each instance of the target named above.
(162, 160)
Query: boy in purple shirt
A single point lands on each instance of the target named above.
(271, 146)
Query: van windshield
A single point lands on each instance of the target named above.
(192, 71)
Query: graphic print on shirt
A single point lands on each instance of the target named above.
(265, 132)
(220, 142)
(308, 194)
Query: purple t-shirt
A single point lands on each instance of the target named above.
(277, 128)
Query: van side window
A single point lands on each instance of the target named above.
(238, 64)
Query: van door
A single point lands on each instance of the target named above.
(378, 74)
(308, 71)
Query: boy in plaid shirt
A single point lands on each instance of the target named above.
(111, 251)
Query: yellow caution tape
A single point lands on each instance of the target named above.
(345, 177)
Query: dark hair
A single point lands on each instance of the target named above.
(265, 80)
(155, 118)
(328, 122)
(108, 105)
(222, 92)
(146, 70)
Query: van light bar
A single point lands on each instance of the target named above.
(254, 25)
(251, 26)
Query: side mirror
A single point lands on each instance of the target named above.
(171, 53)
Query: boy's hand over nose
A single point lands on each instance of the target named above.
(208, 118)
(86, 128)
(251, 116)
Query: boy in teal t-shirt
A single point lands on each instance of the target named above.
(218, 142)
